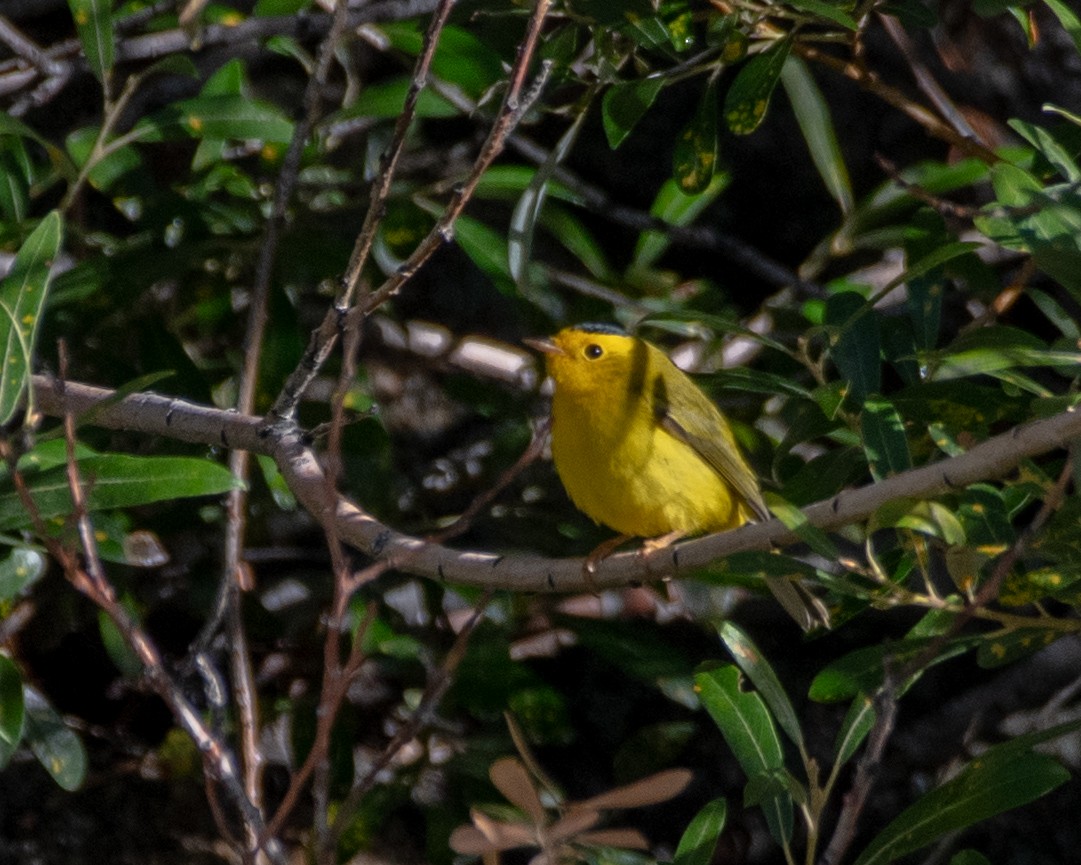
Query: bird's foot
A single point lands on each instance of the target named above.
(594, 559)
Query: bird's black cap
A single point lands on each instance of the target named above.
(613, 329)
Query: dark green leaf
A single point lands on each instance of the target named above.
(94, 22)
(752, 662)
(969, 857)
(824, 9)
(794, 519)
(813, 115)
(855, 342)
(117, 481)
(987, 786)
(228, 116)
(1068, 18)
(694, 161)
(22, 297)
(1006, 646)
(57, 748)
(12, 710)
(676, 208)
(528, 209)
(120, 653)
(884, 439)
(461, 57)
(863, 670)
(700, 838)
(623, 106)
(748, 98)
(747, 727)
(387, 99)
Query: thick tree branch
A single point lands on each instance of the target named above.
(299, 465)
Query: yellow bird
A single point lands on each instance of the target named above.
(641, 449)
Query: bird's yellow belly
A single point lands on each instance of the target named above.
(645, 485)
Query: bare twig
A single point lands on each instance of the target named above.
(324, 337)
(869, 81)
(218, 763)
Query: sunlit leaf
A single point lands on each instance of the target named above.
(755, 666)
(116, 481)
(884, 439)
(747, 727)
(813, 115)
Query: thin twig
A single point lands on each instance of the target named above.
(324, 337)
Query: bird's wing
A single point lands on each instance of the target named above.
(694, 420)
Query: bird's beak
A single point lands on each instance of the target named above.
(545, 346)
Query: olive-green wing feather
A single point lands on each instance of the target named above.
(688, 415)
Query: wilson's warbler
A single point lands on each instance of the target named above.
(642, 450)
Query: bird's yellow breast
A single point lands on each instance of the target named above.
(624, 469)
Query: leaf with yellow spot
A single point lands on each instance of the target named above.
(748, 98)
(695, 158)
(22, 298)
(94, 21)
(1006, 646)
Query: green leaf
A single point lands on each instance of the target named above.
(22, 297)
(387, 99)
(461, 57)
(863, 670)
(694, 161)
(855, 342)
(700, 838)
(116, 481)
(1068, 18)
(57, 748)
(528, 209)
(1049, 147)
(19, 570)
(813, 115)
(747, 727)
(969, 857)
(94, 23)
(989, 785)
(230, 116)
(624, 105)
(675, 207)
(748, 98)
(120, 653)
(857, 723)
(824, 9)
(1008, 645)
(12, 709)
(755, 666)
(487, 248)
(794, 519)
(884, 439)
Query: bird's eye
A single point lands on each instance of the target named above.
(593, 351)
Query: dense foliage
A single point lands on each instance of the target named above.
(315, 234)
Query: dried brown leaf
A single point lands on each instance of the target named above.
(487, 835)
(627, 839)
(648, 791)
(512, 780)
(573, 823)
